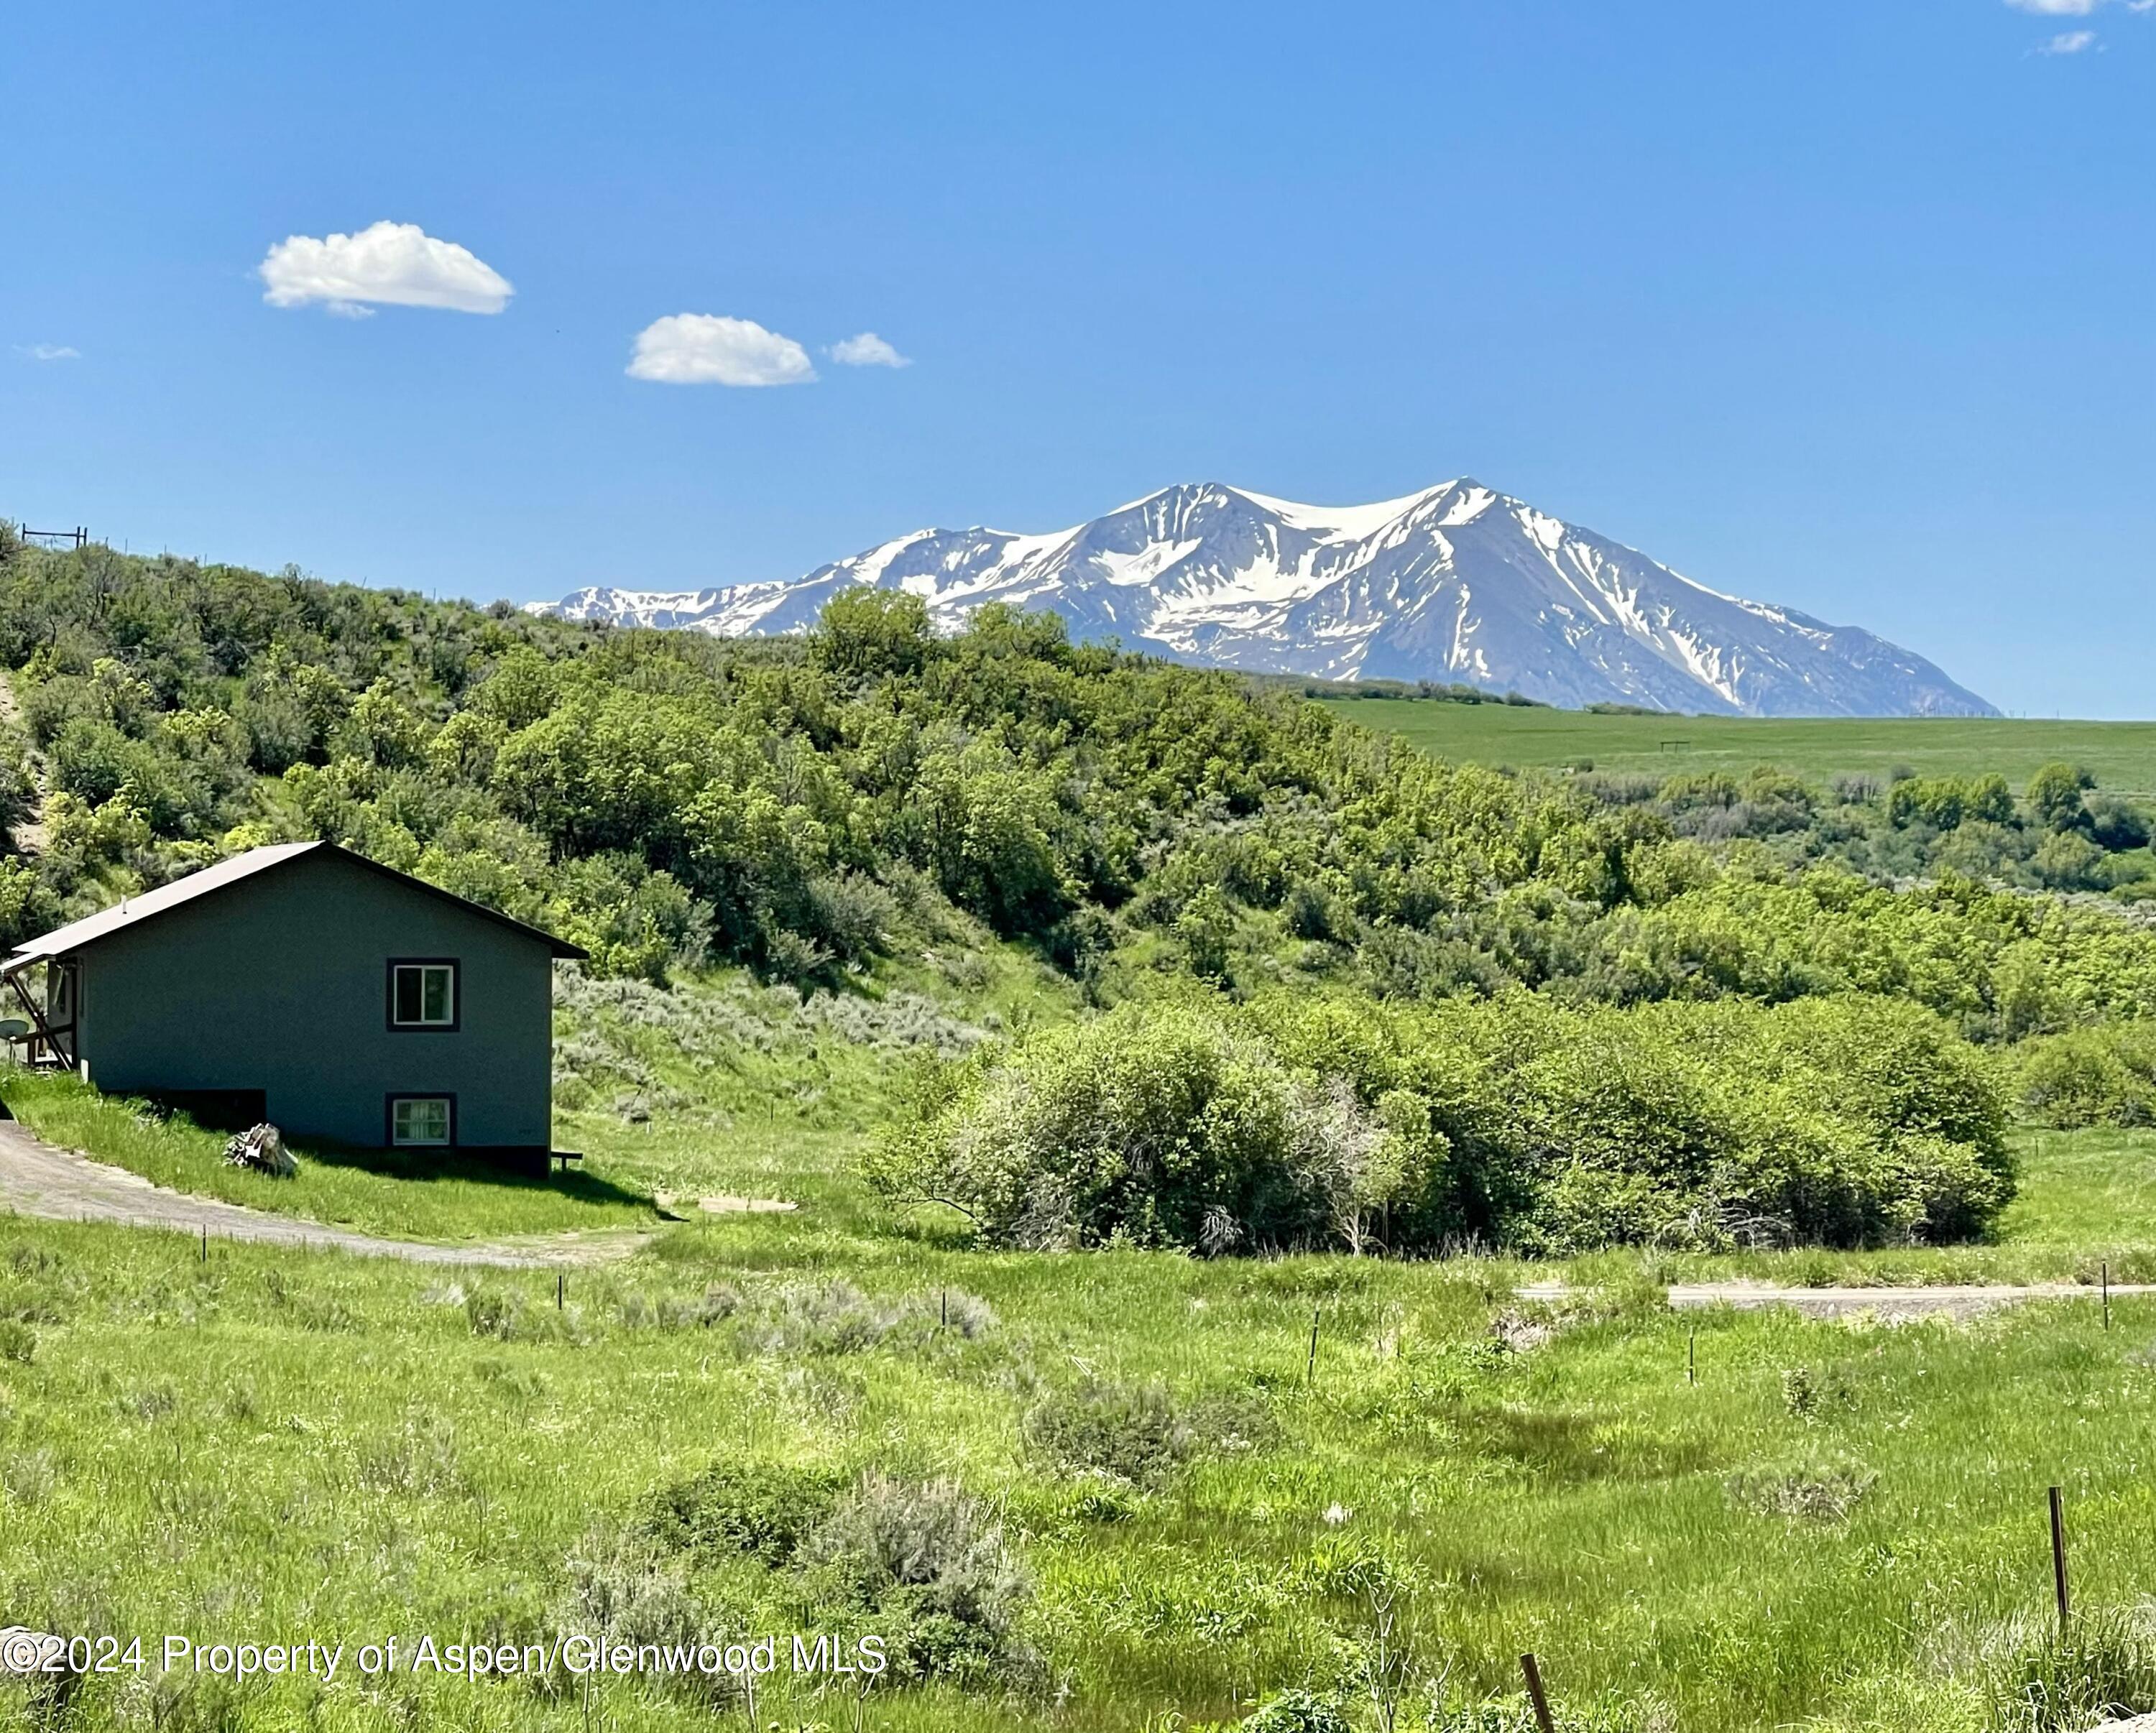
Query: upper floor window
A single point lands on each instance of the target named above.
(423, 995)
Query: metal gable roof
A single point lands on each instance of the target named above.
(78, 935)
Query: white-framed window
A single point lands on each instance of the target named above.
(422, 1121)
(423, 994)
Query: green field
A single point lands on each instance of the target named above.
(1172, 1508)
(2122, 756)
(1837, 1526)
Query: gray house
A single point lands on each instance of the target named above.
(308, 986)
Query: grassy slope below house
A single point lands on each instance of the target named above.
(2122, 756)
(1838, 1525)
(373, 1191)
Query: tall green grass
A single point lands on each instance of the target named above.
(1840, 1525)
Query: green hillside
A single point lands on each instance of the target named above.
(828, 813)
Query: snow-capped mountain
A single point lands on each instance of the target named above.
(1456, 583)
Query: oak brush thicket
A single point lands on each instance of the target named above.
(671, 800)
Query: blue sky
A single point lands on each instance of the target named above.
(1849, 306)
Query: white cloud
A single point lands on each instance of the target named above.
(48, 351)
(708, 349)
(395, 265)
(2069, 42)
(2056, 8)
(867, 349)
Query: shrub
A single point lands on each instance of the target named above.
(789, 956)
(2103, 1669)
(851, 914)
(1311, 912)
(1811, 1493)
(2115, 824)
(418, 1459)
(1843, 1121)
(1078, 945)
(2104, 1075)
(931, 1570)
(622, 1587)
(1296, 1712)
(1402, 962)
(1944, 802)
(836, 1317)
(1133, 1432)
(2067, 860)
(1604, 1714)
(1206, 928)
(764, 1509)
(1153, 1127)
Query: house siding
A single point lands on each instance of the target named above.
(281, 984)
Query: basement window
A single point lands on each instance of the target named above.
(422, 1121)
(423, 994)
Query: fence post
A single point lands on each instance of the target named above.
(1533, 1675)
(2059, 1562)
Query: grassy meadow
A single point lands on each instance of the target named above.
(1839, 1526)
(2122, 756)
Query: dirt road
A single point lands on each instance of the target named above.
(1953, 1301)
(37, 1179)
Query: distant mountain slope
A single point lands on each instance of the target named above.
(1457, 582)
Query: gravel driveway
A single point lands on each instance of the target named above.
(1938, 1299)
(37, 1179)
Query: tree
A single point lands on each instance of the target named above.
(2055, 796)
(1207, 928)
(382, 729)
(868, 633)
(522, 687)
